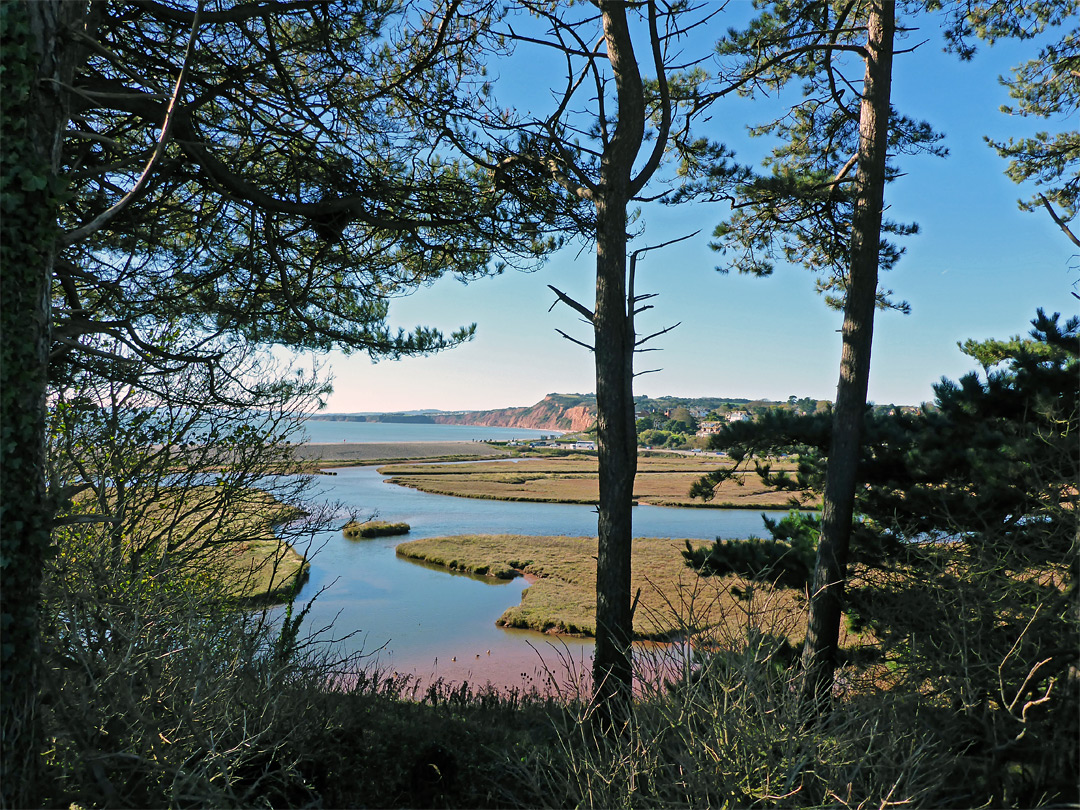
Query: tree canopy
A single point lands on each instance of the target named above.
(1046, 87)
(184, 181)
(258, 170)
(1015, 425)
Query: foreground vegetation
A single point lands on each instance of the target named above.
(205, 707)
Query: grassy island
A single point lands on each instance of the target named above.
(230, 542)
(374, 528)
(561, 598)
(327, 455)
(662, 480)
(239, 545)
(266, 571)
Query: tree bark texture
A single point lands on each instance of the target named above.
(830, 572)
(38, 63)
(614, 356)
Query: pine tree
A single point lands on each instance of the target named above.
(1046, 87)
(966, 540)
(821, 206)
(622, 114)
(228, 171)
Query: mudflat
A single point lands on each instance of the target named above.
(330, 454)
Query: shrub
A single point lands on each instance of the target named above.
(721, 724)
(159, 692)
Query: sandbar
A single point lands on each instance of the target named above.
(331, 454)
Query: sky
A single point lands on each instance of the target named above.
(979, 268)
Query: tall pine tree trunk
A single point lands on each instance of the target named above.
(614, 355)
(38, 63)
(830, 573)
(617, 451)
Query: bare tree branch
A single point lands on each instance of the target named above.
(575, 340)
(1061, 223)
(570, 302)
(657, 334)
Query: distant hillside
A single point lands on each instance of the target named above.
(571, 412)
(644, 403)
(568, 412)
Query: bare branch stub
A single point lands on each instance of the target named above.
(570, 302)
(575, 340)
(656, 334)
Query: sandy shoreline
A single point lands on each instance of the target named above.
(343, 453)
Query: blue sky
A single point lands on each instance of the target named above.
(979, 268)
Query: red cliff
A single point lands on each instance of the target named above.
(551, 413)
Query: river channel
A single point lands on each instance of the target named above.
(425, 621)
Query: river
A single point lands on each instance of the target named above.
(428, 622)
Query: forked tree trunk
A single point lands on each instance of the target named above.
(830, 572)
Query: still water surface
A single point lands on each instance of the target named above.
(417, 619)
(320, 430)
